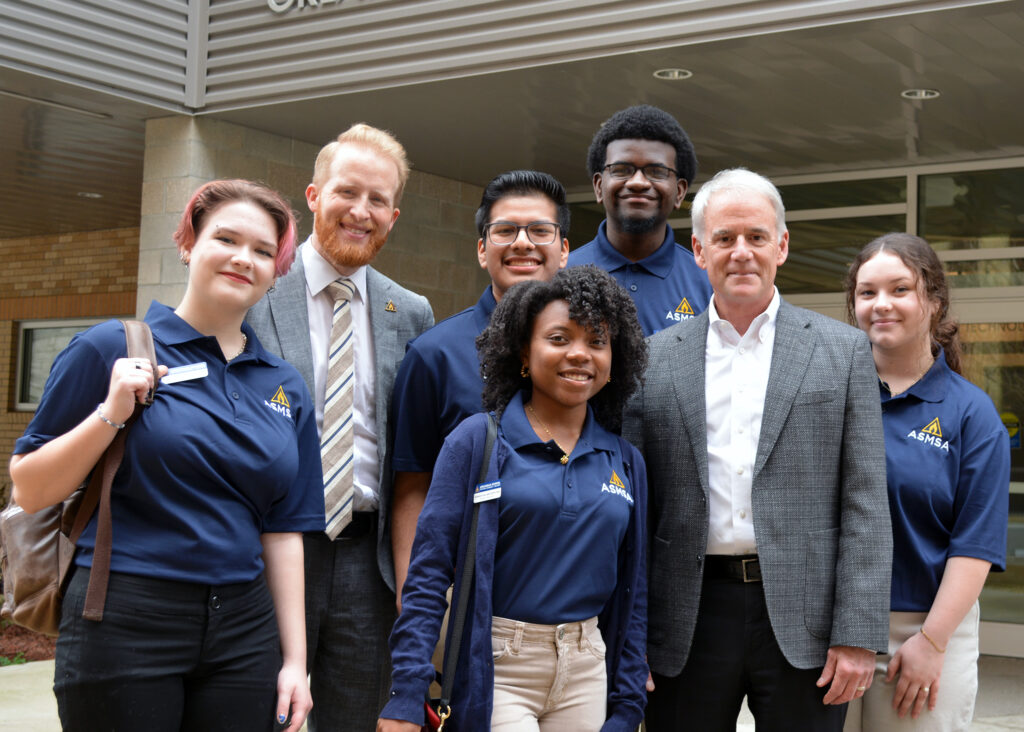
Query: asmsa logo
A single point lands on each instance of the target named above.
(930, 434)
(683, 312)
(279, 403)
(615, 486)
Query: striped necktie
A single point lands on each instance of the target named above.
(336, 451)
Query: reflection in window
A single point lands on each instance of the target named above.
(994, 361)
(972, 210)
(986, 273)
(842, 193)
(820, 252)
(39, 344)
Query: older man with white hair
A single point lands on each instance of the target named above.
(770, 544)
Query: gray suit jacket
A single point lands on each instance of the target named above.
(821, 512)
(281, 322)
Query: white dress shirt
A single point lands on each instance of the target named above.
(320, 304)
(735, 380)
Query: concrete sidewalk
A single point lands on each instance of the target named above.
(27, 703)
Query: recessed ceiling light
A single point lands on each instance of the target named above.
(89, 194)
(673, 74)
(919, 93)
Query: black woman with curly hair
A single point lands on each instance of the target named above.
(556, 624)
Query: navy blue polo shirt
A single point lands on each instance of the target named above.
(213, 463)
(438, 385)
(947, 457)
(560, 527)
(667, 286)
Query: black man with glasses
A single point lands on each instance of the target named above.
(523, 221)
(641, 162)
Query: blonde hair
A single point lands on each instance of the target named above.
(377, 140)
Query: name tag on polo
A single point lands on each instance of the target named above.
(487, 492)
(186, 373)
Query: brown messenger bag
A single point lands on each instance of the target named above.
(36, 550)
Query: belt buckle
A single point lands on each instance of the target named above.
(747, 579)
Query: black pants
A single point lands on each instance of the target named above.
(168, 656)
(735, 654)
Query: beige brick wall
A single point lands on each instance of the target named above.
(81, 275)
(431, 249)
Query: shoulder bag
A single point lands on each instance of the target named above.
(439, 710)
(36, 550)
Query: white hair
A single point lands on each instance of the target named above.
(736, 179)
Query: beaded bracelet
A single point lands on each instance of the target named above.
(99, 412)
(930, 640)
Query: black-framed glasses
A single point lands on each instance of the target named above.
(503, 233)
(652, 172)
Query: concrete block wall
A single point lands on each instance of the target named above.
(431, 249)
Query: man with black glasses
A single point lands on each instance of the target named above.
(523, 220)
(641, 162)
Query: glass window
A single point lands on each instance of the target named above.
(38, 344)
(994, 360)
(584, 219)
(972, 210)
(820, 252)
(842, 193)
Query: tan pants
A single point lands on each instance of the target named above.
(548, 677)
(958, 685)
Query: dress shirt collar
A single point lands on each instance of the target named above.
(725, 329)
(320, 272)
(659, 264)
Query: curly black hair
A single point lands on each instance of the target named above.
(595, 301)
(644, 122)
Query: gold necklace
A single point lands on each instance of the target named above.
(565, 456)
(245, 339)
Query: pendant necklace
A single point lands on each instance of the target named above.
(565, 456)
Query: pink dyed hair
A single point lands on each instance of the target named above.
(216, 193)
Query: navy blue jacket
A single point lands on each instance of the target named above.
(441, 536)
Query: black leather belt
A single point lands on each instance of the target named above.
(363, 522)
(740, 568)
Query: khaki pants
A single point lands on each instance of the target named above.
(958, 685)
(548, 677)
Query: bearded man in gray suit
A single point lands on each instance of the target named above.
(350, 601)
(770, 546)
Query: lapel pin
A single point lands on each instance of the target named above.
(390, 307)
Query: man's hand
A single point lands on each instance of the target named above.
(849, 670)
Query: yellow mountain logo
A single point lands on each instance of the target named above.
(684, 307)
(933, 428)
(280, 398)
(616, 481)
(390, 307)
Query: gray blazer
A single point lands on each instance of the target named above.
(821, 512)
(281, 322)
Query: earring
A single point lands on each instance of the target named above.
(524, 371)
(609, 379)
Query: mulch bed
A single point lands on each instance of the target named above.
(33, 646)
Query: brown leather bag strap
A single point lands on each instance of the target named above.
(139, 340)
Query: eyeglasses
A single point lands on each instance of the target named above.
(653, 172)
(503, 233)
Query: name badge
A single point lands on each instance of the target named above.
(487, 492)
(186, 373)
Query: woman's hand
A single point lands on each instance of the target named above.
(131, 380)
(919, 667)
(396, 725)
(293, 697)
